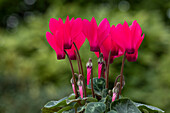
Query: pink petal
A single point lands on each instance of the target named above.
(76, 27)
(114, 97)
(88, 75)
(136, 33)
(139, 42)
(99, 69)
(73, 88)
(79, 41)
(81, 91)
(97, 54)
(86, 27)
(122, 36)
(71, 53)
(53, 25)
(103, 31)
(51, 40)
(67, 34)
(90, 31)
(72, 21)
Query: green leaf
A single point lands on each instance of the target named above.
(95, 107)
(72, 96)
(53, 106)
(79, 109)
(65, 109)
(150, 109)
(112, 111)
(75, 100)
(59, 103)
(98, 85)
(91, 99)
(82, 100)
(124, 105)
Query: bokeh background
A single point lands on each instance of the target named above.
(30, 74)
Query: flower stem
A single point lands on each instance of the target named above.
(79, 58)
(80, 66)
(74, 80)
(121, 74)
(116, 80)
(78, 63)
(107, 71)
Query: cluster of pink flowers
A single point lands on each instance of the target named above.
(103, 38)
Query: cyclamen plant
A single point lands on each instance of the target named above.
(108, 42)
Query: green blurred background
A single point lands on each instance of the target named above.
(30, 74)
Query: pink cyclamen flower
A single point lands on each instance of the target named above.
(107, 46)
(96, 34)
(129, 38)
(114, 97)
(81, 90)
(78, 40)
(62, 35)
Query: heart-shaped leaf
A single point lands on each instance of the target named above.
(124, 105)
(53, 106)
(150, 109)
(95, 107)
(98, 85)
(64, 109)
(79, 109)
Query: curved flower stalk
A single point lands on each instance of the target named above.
(96, 34)
(128, 38)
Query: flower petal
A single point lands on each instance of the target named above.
(103, 31)
(76, 27)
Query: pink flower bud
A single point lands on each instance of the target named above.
(81, 91)
(114, 97)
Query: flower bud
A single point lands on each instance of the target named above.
(100, 65)
(80, 85)
(72, 85)
(89, 69)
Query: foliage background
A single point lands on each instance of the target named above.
(30, 74)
